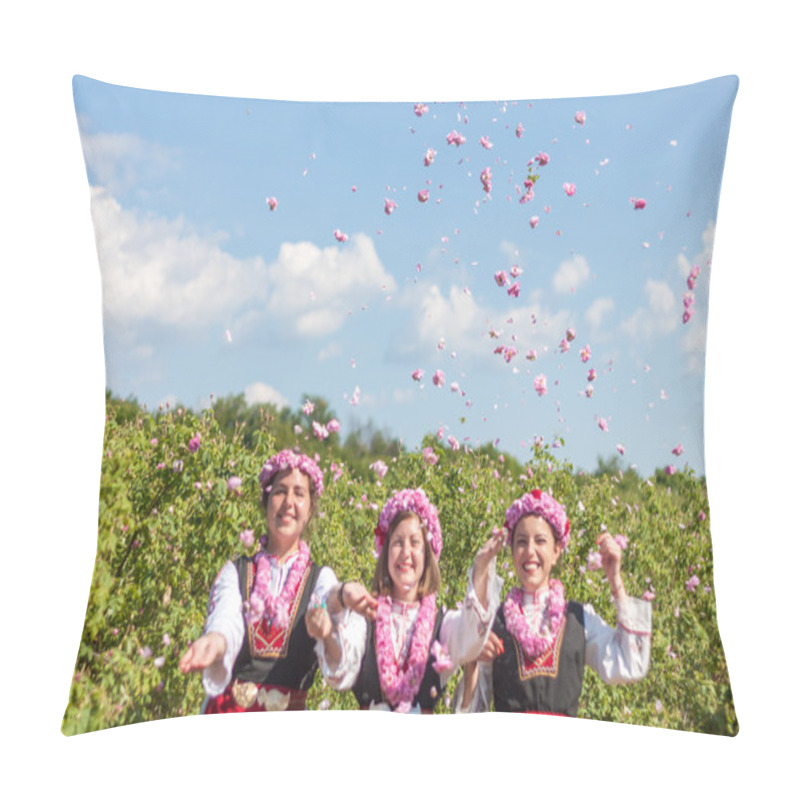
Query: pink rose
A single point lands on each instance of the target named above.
(194, 443)
(417, 374)
(638, 202)
(423, 195)
(520, 130)
(333, 426)
(340, 237)
(429, 456)
(454, 137)
(513, 290)
(234, 483)
(430, 154)
(500, 277)
(420, 109)
(569, 188)
(677, 450)
(542, 159)
(380, 469)
(272, 203)
(602, 424)
(540, 384)
(453, 442)
(580, 117)
(438, 378)
(586, 354)
(389, 206)
(533, 221)
(247, 537)
(484, 140)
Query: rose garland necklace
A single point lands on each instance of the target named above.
(263, 603)
(400, 686)
(533, 643)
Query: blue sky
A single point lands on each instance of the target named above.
(207, 290)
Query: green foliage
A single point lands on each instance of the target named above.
(168, 522)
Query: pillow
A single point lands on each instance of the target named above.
(477, 298)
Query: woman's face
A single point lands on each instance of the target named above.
(406, 558)
(535, 552)
(288, 510)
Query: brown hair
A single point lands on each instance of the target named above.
(431, 580)
(312, 493)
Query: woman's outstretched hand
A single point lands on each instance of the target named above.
(203, 652)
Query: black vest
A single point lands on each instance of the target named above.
(268, 655)
(367, 688)
(551, 684)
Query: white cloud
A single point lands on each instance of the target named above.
(571, 274)
(162, 271)
(660, 316)
(315, 288)
(119, 161)
(330, 351)
(262, 393)
(464, 324)
(598, 311)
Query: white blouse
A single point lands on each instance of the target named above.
(463, 632)
(618, 655)
(225, 615)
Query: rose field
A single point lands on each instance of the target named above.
(179, 496)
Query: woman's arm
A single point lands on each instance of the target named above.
(215, 652)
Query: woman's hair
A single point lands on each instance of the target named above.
(312, 495)
(431, 580)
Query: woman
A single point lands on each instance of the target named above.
(257, 655)
(397, 652)
(540, 643)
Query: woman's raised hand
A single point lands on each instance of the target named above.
(611, 554)
(358, 599)
(483, 559)
(203, 652)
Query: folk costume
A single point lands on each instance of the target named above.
(547, 641)
(258, 605)
(267, 666)
(401, 661)
(551, 682)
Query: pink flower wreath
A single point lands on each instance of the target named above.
(287, 459)
(414, 500)
(543, 505)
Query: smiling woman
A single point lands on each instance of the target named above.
(397, 650)
(273, 669)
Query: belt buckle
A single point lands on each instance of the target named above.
(273, 699)
(244, 693)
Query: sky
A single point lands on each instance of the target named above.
(352, 250)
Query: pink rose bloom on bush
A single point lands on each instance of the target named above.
(594, 561)
(194, 443)
(234, 483)
(333, 426)
(380, 468)
(453, 442)
(670, 469)
(430, 456)
(320, 431)
(247, 537)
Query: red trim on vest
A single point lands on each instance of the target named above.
(225, 704)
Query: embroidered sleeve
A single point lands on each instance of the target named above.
(225, 617)
(482, 699)
(464, 631)
(326, 580)
(351, 630)
(621, 654)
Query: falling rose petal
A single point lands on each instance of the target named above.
(484, 140)
(621, 449)
(542, 159)
(692, 279)
(340, 237)
(272, 203)
(531, 355)
(570, 334)
(333, 426)
(533, 221)
(454, 137)
(602, 424)
(380, 469)
(501, 278)
(453, 442)
(228, 336)
(520, 130)
(417, 374)
(430, 154)
(564, 346)
(586, 354)
(420, 109)
(589, 391)
(353, 189)
(677, 450)
(670, 469)
(515, 271)
(513, 290)
(389, 206)
(320, 431)
(638, 202)
(540, 384)
(569, 189)
(486, 180)
(308, 408)
(429, 456)
(423, 196)
(356, 398)
(438, 378)
(580, 117)
(440, 344)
